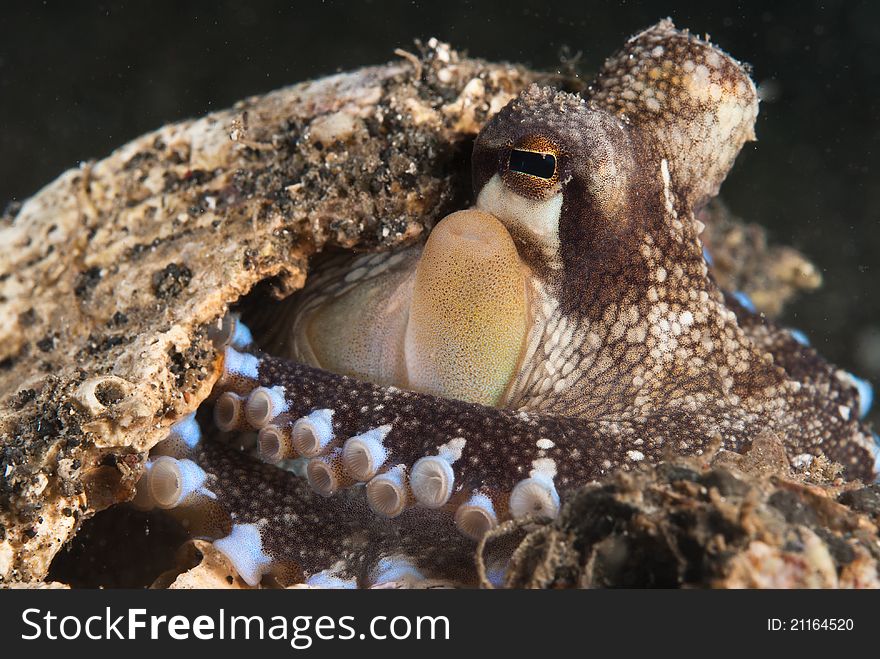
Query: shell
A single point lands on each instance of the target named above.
(111, 275)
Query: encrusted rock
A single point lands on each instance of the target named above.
(110, 275)
(743, 261)
(730, 521)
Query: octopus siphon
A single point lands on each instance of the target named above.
(565, 326)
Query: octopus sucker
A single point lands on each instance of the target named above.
(476, 516)
(229, 412)
(564, 327)
(388, 493)
(363, 455)
(172, 483)
(311, 435)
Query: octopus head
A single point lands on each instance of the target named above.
(558, 173)
(560, 213)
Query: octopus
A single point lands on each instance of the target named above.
(564, 327)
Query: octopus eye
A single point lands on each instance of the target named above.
(531, 167)
(540, 165)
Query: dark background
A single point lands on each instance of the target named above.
(79, 79)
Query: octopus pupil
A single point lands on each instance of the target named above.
(542, 165)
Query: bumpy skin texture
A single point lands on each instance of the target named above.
(634, 353)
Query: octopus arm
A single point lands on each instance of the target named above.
(399, 509)
(827, 404)
(274, 523)
(488, 449)
(443, 473)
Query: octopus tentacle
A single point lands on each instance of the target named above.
(269, 521)
(801, 361)
(297, 533)
(827, 406)
(495, 448)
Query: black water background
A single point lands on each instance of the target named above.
(78, 79)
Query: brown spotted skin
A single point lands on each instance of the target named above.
(306, 533)
(639, 354)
